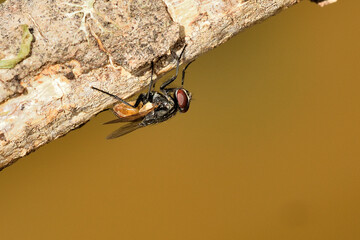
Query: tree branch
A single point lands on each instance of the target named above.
(106, 44)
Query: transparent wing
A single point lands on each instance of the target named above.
(125, 129)
(119, 120)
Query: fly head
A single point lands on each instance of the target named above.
(183, 98)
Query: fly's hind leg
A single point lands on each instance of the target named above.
(140, 99)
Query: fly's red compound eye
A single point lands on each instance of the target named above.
(183, 100)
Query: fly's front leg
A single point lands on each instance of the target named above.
(165, 84)
(183, 73)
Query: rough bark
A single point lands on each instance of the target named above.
(107, 44)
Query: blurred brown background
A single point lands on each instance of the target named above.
(268, 150)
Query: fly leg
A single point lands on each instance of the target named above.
(165, 84)
(151, 82)
(140, 99)
(183, 73)
(167, 90)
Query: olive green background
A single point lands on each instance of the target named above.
(270, 149)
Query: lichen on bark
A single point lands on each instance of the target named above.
(24, 50)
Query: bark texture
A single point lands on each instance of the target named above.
(106, 44)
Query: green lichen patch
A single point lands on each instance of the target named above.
(24, 51)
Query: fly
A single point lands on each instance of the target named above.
(152, 107)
